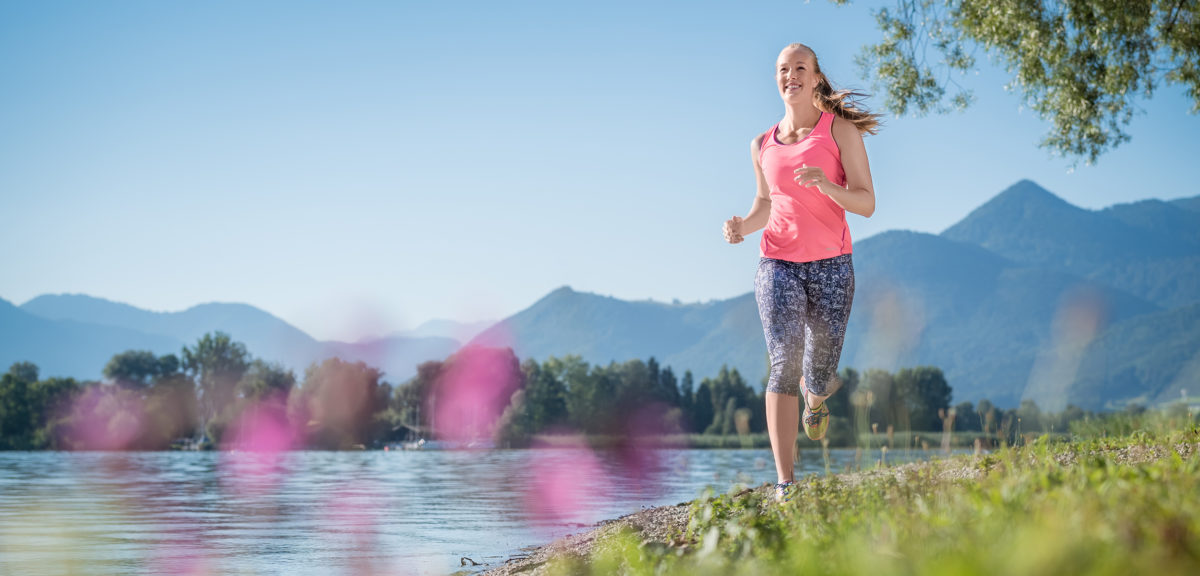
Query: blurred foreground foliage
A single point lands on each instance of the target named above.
(1102, 504)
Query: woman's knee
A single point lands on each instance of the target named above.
(785, 377)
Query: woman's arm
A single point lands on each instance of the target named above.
(859, 194)
(737, 228)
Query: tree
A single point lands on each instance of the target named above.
(263, 380)
(687, 400)
(139, 369)
(16, 416)
(839, 403)
(171, 408)
(883, 407)
(134, 369)
(24, 371)
(30, 410)
(922, 393)
(410, 400)
(217, 363)
(966, 419)
(544, 398)
(50, 402)
(989, 418)
(1081, 64)
(702, 408)
(726, 394)
(1029, 417)
(338, 402)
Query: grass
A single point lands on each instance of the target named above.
(1099, 504)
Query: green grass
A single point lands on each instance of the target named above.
(1103, 505)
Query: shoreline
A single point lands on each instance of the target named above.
(664, 526)
(656, 526)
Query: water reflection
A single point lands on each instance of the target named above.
(335, 512)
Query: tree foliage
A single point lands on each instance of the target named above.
(149, 404)
(338, 402)
(264, 379)
(217, 363)
(1081, 64)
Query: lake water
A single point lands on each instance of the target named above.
(371, 512)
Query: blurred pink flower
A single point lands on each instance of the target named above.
(253, 445)
(263, 426)
(565, 480)
(473, 391)
(106, 418)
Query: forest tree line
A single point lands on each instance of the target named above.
(150, 402)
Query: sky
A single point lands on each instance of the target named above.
(357, 168)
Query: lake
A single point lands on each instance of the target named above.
(375, 512)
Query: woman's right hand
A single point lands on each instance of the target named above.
(733, 230)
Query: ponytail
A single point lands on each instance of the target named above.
(843, 104)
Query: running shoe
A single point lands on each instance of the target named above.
(816, 423)
(784, 491)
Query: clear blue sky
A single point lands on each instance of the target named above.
(361, 167)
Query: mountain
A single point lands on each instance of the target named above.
(1148, 359)
(603, 329)
(440, 328)
(1191, 204)
(264, 335)
(924, 299)
(69, 348)
(920, 299)
(1013, 302)
(1149, 248)
(397, 356)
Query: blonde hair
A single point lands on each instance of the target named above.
(839, 102)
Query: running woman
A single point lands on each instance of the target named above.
(811, 168)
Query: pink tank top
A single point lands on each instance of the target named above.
(805, 225)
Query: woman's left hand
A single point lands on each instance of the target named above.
(811, 176)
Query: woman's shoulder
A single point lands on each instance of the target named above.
(756, 144)
(844, 130)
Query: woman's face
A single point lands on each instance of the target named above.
(796, 75)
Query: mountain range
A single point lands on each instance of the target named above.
(75, 335)
(1027, 296)
(1018, 300)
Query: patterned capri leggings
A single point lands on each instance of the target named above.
(804, 307)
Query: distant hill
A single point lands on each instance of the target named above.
(1148, 359)
(397, 356)
(924, 299)
(1192, 204)
(603, 329)
(68, 348)
(264, 335)
(440, 328)
(1149, 248)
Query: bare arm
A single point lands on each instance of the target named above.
(859, 194)
(737, 228)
